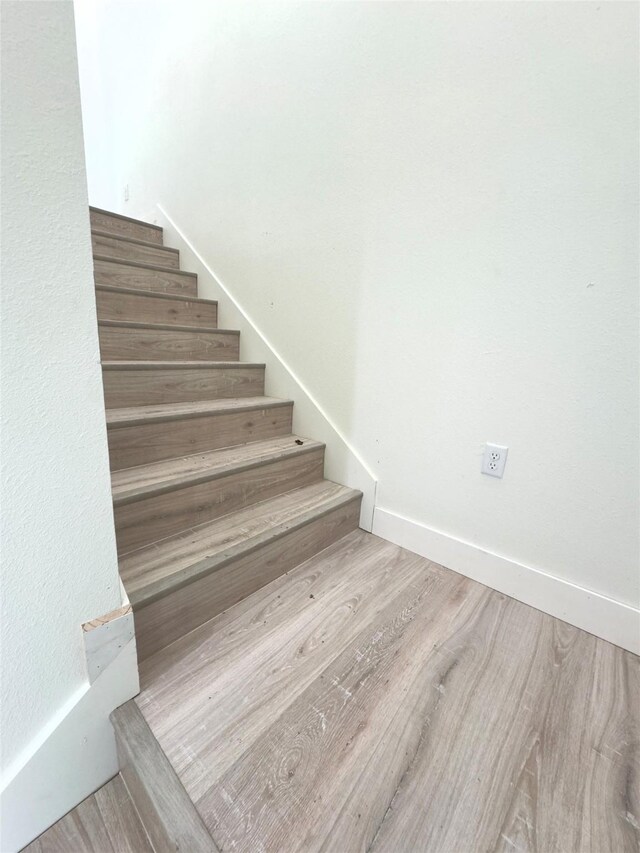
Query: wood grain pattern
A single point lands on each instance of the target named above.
(154, 342)
(145, 434)
(156, 382)
(114, 223)
(348, 695)
(158, 477)
(450, 718)
(308, 616)
(148, 307)
(126, 248)
(212, 492)
(169, 816)
(150, 572)
(136, 276)
(106, 822)
(237, 575)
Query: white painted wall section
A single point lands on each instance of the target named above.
(59, 565)
(430, 210)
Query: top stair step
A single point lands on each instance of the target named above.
(129, 249)
(124, 226)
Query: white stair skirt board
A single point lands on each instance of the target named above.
(614, 621)
(73, 756)
(342, 462)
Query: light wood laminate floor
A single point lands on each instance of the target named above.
(106, 822)
(371, 700)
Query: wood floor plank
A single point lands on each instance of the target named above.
(584, 760)
(282, 640)
(499, 717)
(106, 822)
(313, 753)
(456, 719)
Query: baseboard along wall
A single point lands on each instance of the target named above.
(612, 620)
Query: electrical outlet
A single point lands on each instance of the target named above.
(494, 460)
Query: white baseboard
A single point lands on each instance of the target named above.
(342, 462)
(611, 620)
(71, 758)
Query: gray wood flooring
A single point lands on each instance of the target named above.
(106, 822)
(371, 700)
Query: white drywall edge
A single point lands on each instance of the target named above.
(72, 756)
(343, 464)
(611, 620)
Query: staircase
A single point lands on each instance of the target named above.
(213, 495)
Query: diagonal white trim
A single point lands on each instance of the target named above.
(266, 341)
(369, 501)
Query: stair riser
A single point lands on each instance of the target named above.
(131, 344)
(164, 621)
(124, 228)
(148, 309)
(145, 521)
(152, 442)
(139, 278)
(123, 388)
(114, 247)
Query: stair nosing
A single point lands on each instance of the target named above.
(126, 218)
(210, 564)
(166, 811)
(155, 294)
(130, 263)
(166, 327)
(136, 240)
(187, 480)
(273, 403)
(180, 365)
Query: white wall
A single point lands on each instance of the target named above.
(430, 209)
(58, 547)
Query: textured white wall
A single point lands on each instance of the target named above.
(431, 211)
(58, 548)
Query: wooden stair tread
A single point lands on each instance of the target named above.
(173, 411)
(178, 365)
(121, 246)
(213, 495)
(152, 571)
(156, 477)
(165, 327)
(154, 294)
(99, 232)
(112, 215)
(128, 262)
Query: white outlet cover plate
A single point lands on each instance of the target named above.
(494, 460)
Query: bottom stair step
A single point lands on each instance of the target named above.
(165, 810)
(180, 582)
